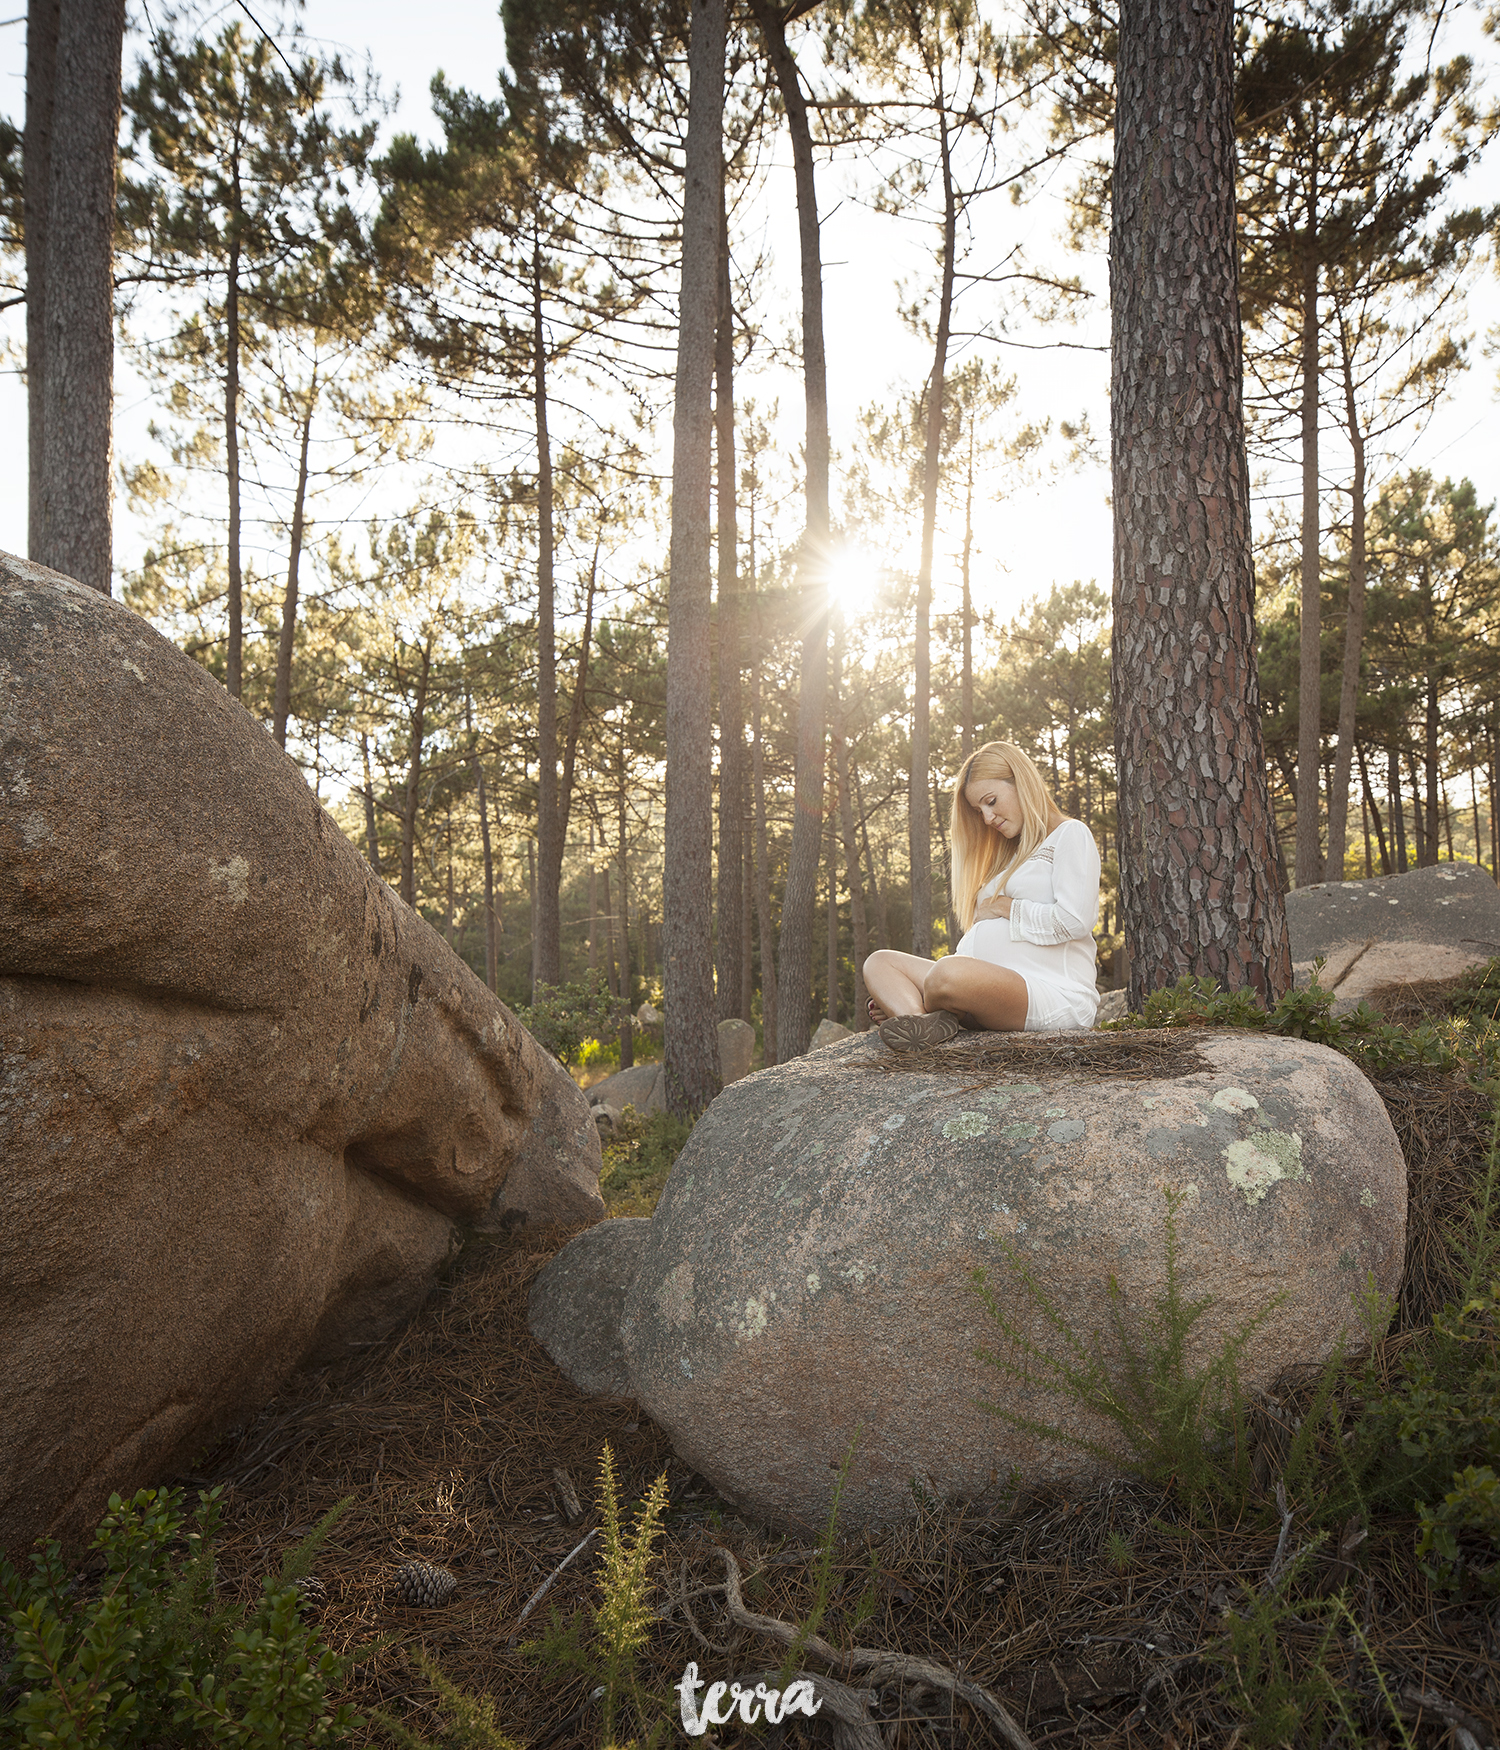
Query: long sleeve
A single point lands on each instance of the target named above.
(1075, 885)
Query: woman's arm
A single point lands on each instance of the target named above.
(1075, 887)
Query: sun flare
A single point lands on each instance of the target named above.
(853, 577)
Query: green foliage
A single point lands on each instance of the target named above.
(1466, 1044)
(469, 1721)
(822, 1570)
(604, 1649)
(1278, 1702)
(563, 1016)
(1182, 1425)
(1471, 1505)
(638, 1159)
(623, 1617)
(152, 1657)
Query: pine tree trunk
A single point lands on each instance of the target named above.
(859, 927)
(627, 1023)
(919, 827)
(882, 916)
(692, 1041)
(1398, 807)
(1374, 809)
(731, 905)
(966, 683)
(1309, 691)
(283, 705)
(372, 838)
(575, 717)
(794, 971)
(235, 657)
(831, 876)
(769, 996)
(36, 162)
(77, 487)
(547, 958)
(1431, 716)
(413, 781)
(1199, 891)
(1354, 630)
(491, 956)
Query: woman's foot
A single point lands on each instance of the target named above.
(875, 1012)
(919, 1032)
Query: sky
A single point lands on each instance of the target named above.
(1052, 532)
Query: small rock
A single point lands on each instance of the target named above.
(828, 1033)
(577, 1301)
(639, 1087)
(606, 1119)
(736, 1050)
(1112, 1007)
(649, 1019)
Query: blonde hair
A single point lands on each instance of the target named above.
(979, 853)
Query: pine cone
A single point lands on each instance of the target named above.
(424, 1585)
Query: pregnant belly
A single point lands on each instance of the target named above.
(990, 940)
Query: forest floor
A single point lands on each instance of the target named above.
(1110, 1616)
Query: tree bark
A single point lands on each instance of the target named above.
(575, 718)
(234, 659)
(372, 838)
(1309, 690)
(283, 705)
(413, 781)
(549, 827)
(731, 905)
(966, 683)
(799, 901)
(1398, 806)
(77, 487)
(1374, 809)
(831, 866)
(36, 199)
(858, 924)
(627, 1023)
(1199, 889)
(1354, 630)
(692, 1041)
(491, 955)
(764, 928)
(919, 818)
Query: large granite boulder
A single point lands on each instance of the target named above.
(1396, 929)
(808, 1268)
(246, 1095)
(554, 1179)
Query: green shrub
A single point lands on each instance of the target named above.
(153, 1656)
(638, 1159)
(1465, 1043)
(561, 1017)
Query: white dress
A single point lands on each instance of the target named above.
(1048, 937)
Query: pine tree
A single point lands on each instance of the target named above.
(250, 191)
(1198, 843)
(692, 1066)
(1340, 199)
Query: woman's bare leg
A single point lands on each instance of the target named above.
(980, 993)
(895, 981)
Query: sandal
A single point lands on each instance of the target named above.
(919, 1032)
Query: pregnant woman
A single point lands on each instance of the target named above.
(1026, 888)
